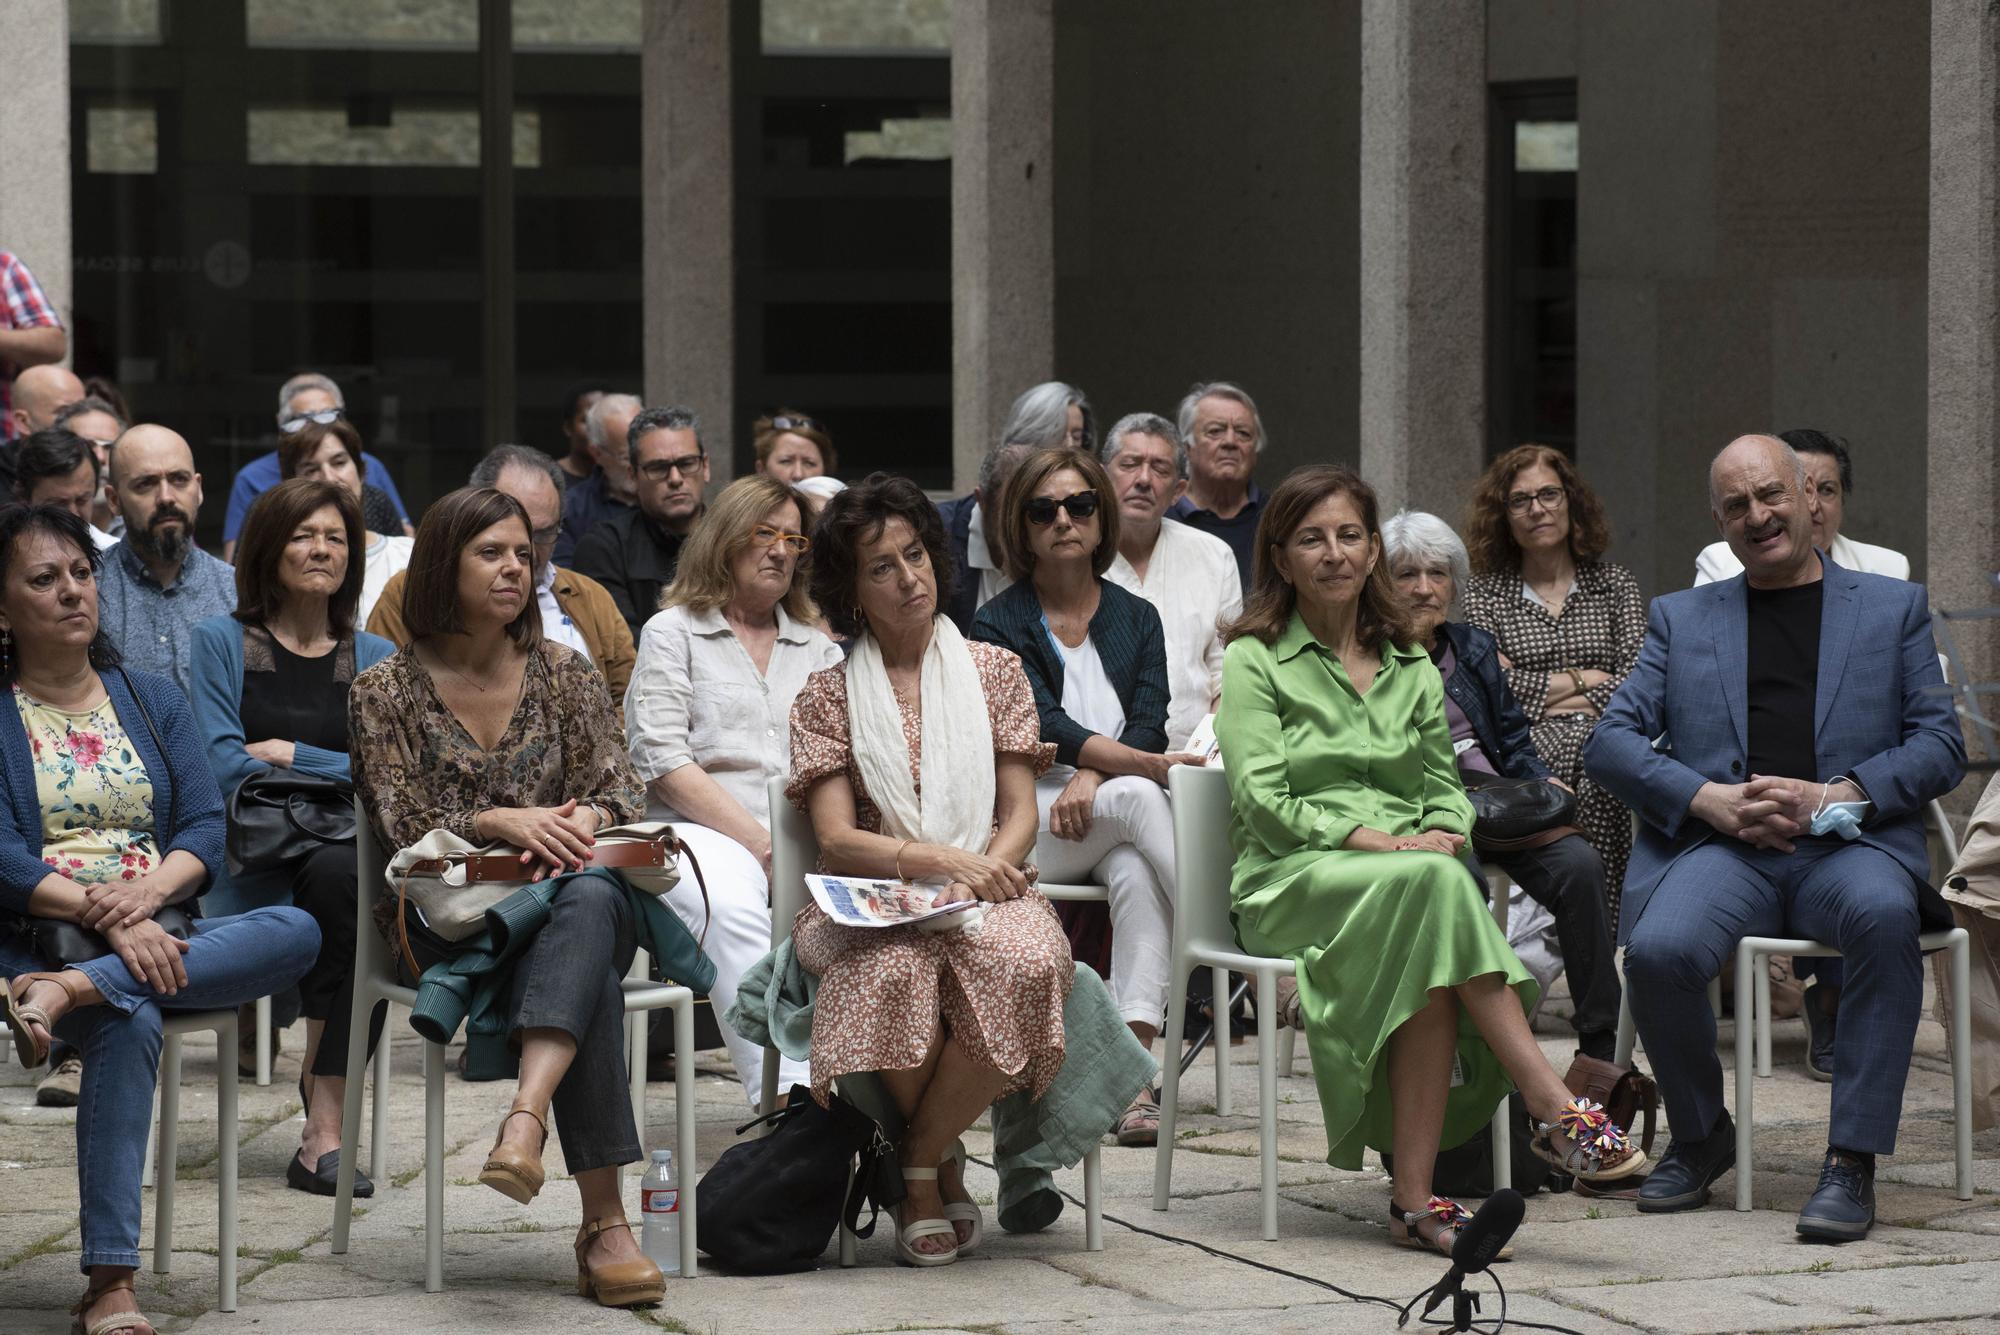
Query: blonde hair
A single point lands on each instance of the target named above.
(702, 581)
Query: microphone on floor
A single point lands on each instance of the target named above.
(1478, 1243)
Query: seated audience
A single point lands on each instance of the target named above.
(112, 817)
(332, 453)
(1568, 622)
(1095, 659)
(306, 399)
(270, 693)
(99, 424)
(55, 467)
(707, 721)
(972, 527)
(1490, 735)
(1348, 826)
(1830, 481)
(633, 553)
(1222, 433)
(610, 490)
(792, 447)
(1188, 576)
(483, 728)
(156, 583)
(888, 759)
(575, 460)
(576, 611)
(1809, 728)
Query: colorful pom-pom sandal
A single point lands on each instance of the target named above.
(1584, 1142)
(1433, 1228)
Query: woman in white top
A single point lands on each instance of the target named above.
(707, 720)
(331, 452)
(1829, 482)
(1095, 656)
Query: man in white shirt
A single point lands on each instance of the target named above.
(1829, 482)
(1189, 577)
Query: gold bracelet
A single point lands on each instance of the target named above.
(1576, 680)
(899, 858)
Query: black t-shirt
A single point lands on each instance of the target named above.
(1784, 679)
(298, 702)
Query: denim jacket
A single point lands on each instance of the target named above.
(1479, 688)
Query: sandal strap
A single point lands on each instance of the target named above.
(1441, 1208)
(587, 1234)
(1590, 1129)
(540, 1120)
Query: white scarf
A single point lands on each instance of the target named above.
(957, 768)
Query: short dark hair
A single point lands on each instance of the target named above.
(1806, 440)
(574, 396)
(269, 525)
(294, 448)
(857, 516)
(430, 598)
(486, 473)
(51, 452)
(1038, 468)
(672, 417)
(17, 522)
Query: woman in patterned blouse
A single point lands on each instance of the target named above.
(1569, 622)
(483, 728)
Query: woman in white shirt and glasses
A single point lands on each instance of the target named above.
(707, 719)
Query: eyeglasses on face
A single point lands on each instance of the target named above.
(1548, 498)
(795, 424)
(546, 537)
(291, 426)
(1042, 509)
(657, 470)
(798, 544)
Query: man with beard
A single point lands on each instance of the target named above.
(156, 583)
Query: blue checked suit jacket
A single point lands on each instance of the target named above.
(1876, 718)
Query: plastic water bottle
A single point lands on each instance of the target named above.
(660, 1205)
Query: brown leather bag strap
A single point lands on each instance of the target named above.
(403, 927)
(701, 884)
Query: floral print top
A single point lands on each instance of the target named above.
(94, 792)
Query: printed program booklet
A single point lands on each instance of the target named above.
(855, 902)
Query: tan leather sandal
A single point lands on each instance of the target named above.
(20, 1014)
(513, 1174)
(618, 1283)
(130, 1322)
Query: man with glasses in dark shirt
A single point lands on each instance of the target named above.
(633, 554)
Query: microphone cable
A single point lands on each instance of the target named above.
(1402, 1310)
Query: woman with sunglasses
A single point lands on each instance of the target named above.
(791, 447)
(1096, 658)
(706, 719)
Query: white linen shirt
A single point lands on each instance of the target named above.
(382, 558)
(697, 699)
(1717, 562)
(1192, 582)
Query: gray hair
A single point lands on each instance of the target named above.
(298, 385)
(1218, 389)
(673, 417)
(89, 403)
(1144, 424)
(1415, 535)
(486, 473)
(1040, 417)
(596, 422)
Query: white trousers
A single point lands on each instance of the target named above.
(1130, 852)
(738, 935)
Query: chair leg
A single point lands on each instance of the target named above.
(378, 1125)
(1961, 1059)
(1628, 1031)
(1288, 1052)
(225, 1174)
(433, 1168)
(1761, 965)
(770, 1089)
(263, 1040)
(1267, 1096)
(170, 1136)
(1746, 992)
(1503, 1148)
(847, 1247)
(1170, 1084)
(350, 1114)
(636, 1025)
(1218, 1005)
(1093, 1200)
(684, 1126)
(146, 1174)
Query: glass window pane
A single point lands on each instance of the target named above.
(413, 137)
(598, 26)
(856, 27)
(925, 139)
(124, 140)
(1545, 146)
(114, 22)
(438, 25)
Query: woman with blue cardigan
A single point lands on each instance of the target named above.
(270, 692)
(108, 815)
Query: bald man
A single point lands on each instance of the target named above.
(1795, 809)
(156, 583)
(38, 392)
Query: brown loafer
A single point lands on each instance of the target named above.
(510, 1172)
(620, 1283)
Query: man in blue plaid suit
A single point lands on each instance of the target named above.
(1801, 734)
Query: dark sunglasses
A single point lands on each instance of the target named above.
(291, 426)
(1042, 509)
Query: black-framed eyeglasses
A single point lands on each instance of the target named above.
(1042, 509)
(1548, 498)
(291, 426)
(658, 470)
(798, 544)
(795, 424)
(546, 537)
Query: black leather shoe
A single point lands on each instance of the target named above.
(1843, 1208)
(1819, 1030)
(1682, 1179)
(324, 1180)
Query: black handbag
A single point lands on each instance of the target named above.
(769, 1205)
(1509, 815)
(278, 816)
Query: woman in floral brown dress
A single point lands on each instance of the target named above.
(890, 757)
(483, 728)
(1569, 622)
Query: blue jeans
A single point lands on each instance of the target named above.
(229, 961)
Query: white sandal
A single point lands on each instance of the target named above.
(964, 1212)
(925, 1228)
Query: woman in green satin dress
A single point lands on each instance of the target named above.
(1348, 827)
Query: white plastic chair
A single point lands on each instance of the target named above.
(794, 854)
(166, 1139)
(1203, 936)
(375, 980)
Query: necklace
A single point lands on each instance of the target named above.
(482, 689)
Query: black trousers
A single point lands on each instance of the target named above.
(324, 885)
(1567, 878)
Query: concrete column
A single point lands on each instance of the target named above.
(688, 183)
(1964, 477)
(1423, 250)
(34, 145)
(1002, 215)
